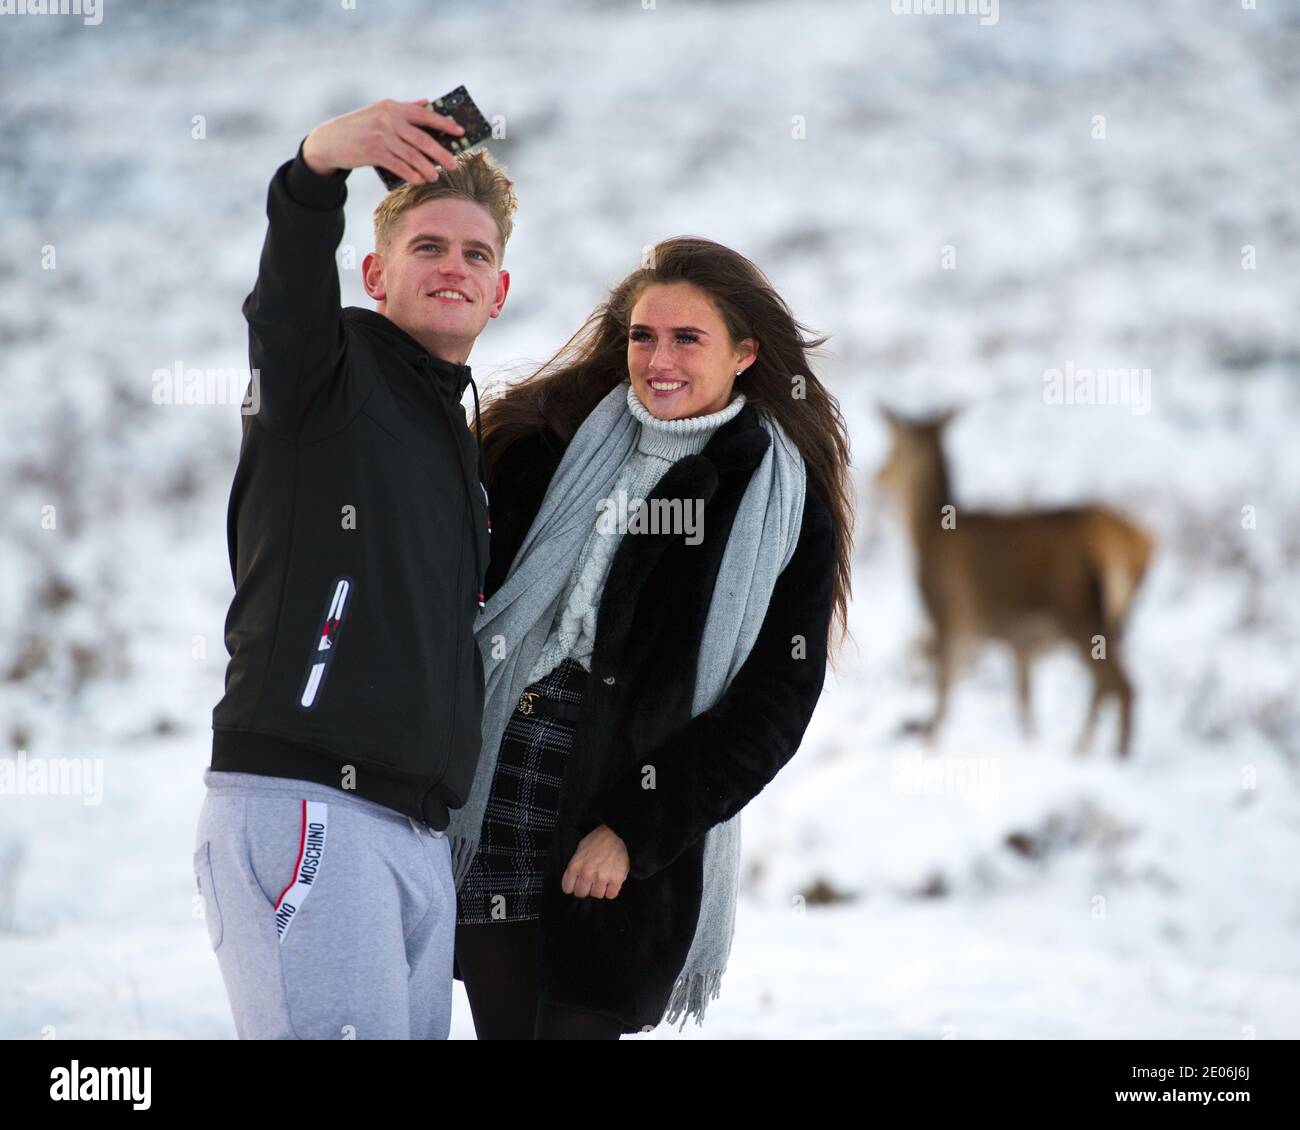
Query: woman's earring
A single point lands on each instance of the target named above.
(739, 371)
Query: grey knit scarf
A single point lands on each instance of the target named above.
(513, 627)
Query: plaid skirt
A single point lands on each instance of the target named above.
(519, 820)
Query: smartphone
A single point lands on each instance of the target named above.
(458, 106)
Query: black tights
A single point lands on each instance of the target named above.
(498, 962)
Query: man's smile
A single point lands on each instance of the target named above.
(450, 294)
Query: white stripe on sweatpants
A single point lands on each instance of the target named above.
(311, 854)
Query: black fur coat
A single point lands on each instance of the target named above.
(622, 956)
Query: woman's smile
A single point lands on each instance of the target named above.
(662, 390)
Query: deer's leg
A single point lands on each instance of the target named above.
(942, 666)
(1090, 724)
(944, 661)
(1023, 658)
(1100, 688)
(1123, 690)
(1109, 677)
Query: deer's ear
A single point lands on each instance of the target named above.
(890, 417)
(946, 417)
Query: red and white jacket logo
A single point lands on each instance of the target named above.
(325, 642)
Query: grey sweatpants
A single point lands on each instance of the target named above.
(332, 917)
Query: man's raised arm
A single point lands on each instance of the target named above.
(295, 329)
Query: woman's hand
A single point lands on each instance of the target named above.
(598, 867)
(384, 134)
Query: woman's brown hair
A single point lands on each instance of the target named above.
(780, 382)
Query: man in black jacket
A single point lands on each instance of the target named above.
(358, 531)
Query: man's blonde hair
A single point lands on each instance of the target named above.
(476, 177)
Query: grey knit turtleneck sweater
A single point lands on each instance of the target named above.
(659, 444)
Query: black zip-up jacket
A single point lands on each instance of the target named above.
(358, 530)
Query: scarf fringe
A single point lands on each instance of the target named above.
(691, 995)
(463, 851)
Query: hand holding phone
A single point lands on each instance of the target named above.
(392, 134)
(457, 107)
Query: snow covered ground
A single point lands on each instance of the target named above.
(1045, 895)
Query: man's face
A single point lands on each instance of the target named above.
(442, 246)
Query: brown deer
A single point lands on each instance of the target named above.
(1030, 578)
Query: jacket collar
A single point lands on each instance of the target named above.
(739, 444)
(456, 376)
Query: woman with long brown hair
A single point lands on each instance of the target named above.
(671, 537)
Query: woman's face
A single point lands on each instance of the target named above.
(678, 341)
